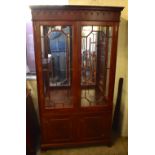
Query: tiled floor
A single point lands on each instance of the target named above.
(120, 147)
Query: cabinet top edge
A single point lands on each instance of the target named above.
(75, 7)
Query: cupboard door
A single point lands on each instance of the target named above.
(56, 61)
(95, 127)
(57, 130)
(96, 45)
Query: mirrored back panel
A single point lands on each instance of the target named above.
(96, 43)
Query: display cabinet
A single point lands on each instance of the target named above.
(75, 54)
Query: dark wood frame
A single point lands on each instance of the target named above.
(74, 122)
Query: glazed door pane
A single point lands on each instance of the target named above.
(96, 42)
(56, 51)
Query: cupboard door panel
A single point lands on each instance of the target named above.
(58, 130)
(95, 127)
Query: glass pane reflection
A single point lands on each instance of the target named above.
(56, 63)
(95, 64)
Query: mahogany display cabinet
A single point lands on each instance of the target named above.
(75, 54)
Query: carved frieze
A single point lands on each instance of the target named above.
(77, 14)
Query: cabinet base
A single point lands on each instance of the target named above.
(45, 147)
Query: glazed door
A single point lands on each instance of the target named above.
(56, 58)
(96, 49)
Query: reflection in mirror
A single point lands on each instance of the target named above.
(58, 40)
(56, 64)
(95, 64)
